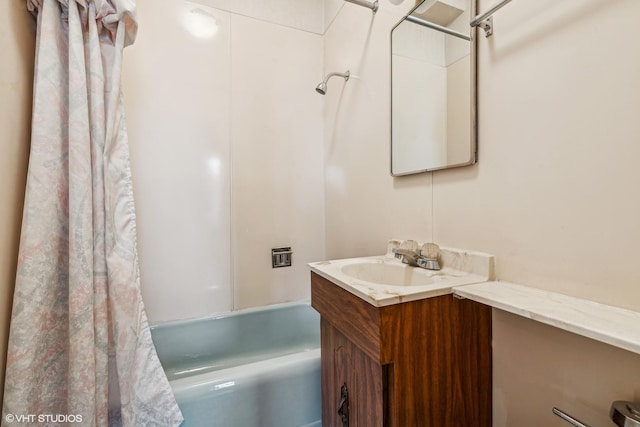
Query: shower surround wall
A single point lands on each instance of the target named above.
(226, 145)
(554, 195)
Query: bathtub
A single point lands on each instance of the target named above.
(249, 368)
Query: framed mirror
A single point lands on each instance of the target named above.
(433, 88)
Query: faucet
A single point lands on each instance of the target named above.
(407, 256)
(416, 259)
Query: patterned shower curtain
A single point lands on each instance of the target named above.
(80, 349)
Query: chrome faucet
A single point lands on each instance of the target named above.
(416, 259)
(407, 256)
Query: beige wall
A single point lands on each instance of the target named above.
(365, 206)
(17, 47)
(537, 367)
(554, 195)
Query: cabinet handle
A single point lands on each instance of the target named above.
(343, 409)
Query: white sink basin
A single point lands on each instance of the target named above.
(385, 280)
(388, 272)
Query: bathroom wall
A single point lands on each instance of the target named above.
(365, 206)
(225, 132)
(277, 193)
(553, 195)
(17, 38)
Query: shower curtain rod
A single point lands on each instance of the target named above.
(485, 21)
(437, 27)
(373, 6)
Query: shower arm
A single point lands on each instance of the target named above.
(322, 87)
(344, 75)
(373, 6)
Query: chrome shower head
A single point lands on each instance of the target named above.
(322, 87)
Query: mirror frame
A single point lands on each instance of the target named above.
(474, 94)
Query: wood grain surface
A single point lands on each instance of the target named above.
(420, 363)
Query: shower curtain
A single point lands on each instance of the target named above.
(80, 349)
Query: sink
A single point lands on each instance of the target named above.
(384, 280)
(388, 272)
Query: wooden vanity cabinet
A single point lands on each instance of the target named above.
(423, 363)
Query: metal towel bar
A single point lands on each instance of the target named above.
(485, 21)
(437, 27)
(568, 418)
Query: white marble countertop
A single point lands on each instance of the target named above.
(459, 268)
(612, 325)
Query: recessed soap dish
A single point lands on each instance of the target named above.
(281, 257)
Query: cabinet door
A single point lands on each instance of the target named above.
(346, 367)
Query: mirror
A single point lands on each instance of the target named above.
(433, 88)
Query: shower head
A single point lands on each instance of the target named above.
(322, 87)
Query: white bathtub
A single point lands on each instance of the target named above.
(249, 368)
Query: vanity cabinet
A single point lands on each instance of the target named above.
(424, 363)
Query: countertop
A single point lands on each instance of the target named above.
(611, 325)
(460, 267)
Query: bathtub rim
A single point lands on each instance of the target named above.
(188, 386)
(232, 313)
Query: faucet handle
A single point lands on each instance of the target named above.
(407, 252)
(411, 245)
(430, 250)
(392, 245)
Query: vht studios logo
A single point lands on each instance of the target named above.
(43, 418)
